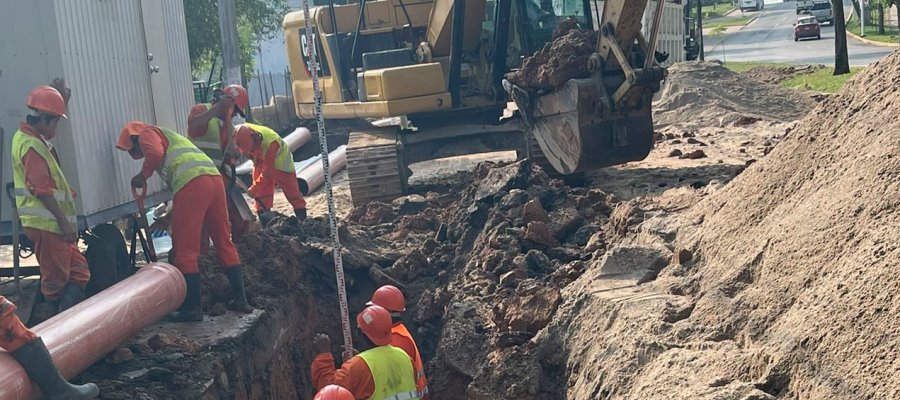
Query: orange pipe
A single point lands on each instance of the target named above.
(311, 177)
(87, 332)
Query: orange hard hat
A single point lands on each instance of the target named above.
(241, 98)
(132, 128)
(389, 297)
(375, 322)
(244, 138)
(333, 392)
(47, 100)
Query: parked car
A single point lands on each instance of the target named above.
(803, 6)
(822, 12)
(754, 5)
(807, 27)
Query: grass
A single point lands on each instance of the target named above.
(821, 80)
(889, 35)
(726, 22)
(716, 10)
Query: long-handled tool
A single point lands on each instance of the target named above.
(146, 238)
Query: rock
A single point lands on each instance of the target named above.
(501, 180)
(410, 204)
(431, 305)
(584, 234)
(530, 312)
(537, 261)
(173, 356)
(568, 225)
(217, 309)
(376, 213)
(676, 141)
(564, 254)
(694, 155)
(429, 246)
(675, 153)
(171, 340)
(512, 278)
(687, 134)
(510, 339)
(750, 161)
(532, 211)
(539, 233)
(134, 375)
(464, 345)
(596, 242)
(633, 260)
(120, 355)
(683, 256)
(695, 141)
(515, 198)
(140, 348)
(160, 374)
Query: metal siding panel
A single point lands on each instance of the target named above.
(179, 62)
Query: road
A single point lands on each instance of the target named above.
(770, 39)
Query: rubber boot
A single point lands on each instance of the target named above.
(35, 359)
(300, 213)
(71, 295)
(191, 310)
(238, 295)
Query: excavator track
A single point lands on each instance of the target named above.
(375, 166)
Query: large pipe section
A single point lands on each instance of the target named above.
(311, 177)
(294, 140)
(87, 332)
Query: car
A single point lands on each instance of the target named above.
(803, 6)
(754, 5)
(807, 27)
(822, 11)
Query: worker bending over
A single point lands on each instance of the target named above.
(44, 200)
(273, 164)
(382, 372)
(198, 202)
(391, 299)
(29, 350)
(333, 392)
(210, 129)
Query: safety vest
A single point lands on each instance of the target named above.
(210, 142)
(421, 381)
(284, 161)
(32, 213)
(183, 161)
(392, 372)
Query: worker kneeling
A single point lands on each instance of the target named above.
(382, 372)
(391, 298)
(199, 201)
(273, 165)
(29, 350)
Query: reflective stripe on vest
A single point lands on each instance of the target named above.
(421, 381)
(183, 162)
(210, 142)
(284, 161)
(392, 372)
(32, 213)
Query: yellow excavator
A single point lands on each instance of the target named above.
(429, 74)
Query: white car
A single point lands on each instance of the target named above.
(754, 5)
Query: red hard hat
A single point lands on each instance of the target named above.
(47, 100)
(132, 128)
(333, 392)
(241, 98)
(244, 139)
(389, 297)
(375, 323)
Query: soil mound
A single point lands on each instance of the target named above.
(706, 94)
(776, 75)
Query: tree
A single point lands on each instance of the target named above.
(841, 59)
(257, 20)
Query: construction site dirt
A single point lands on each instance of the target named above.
(759, 267)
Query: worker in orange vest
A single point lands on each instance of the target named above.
(273, 165)
(210, 129)
(29, 350)
(333, 392)
(382, 372)
(198, 202)
(391, 298)
(45, 201)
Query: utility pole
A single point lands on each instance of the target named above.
(700, 29)
(231, 62)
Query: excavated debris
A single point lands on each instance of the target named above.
(564, 57)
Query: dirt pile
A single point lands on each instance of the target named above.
(564, 57)
(706, 94)
(776, 75)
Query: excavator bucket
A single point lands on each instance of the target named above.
(577, 131)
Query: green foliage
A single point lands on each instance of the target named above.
(258, 20)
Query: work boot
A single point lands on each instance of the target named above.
(72, 294)
(238, 296)
(191, 310)
(35, 359)
(300, 213)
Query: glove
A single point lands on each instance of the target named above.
(265, 217)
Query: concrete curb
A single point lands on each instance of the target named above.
(871, 42)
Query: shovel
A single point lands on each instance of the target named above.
(146, 238)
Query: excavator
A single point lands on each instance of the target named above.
(429, 77)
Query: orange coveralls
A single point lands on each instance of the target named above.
(60, 262)
(199, 204)
(238, 225)
(13, 334)
(400, 337)
(354, 375)
(266, 176)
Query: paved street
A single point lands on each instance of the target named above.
(770, 39)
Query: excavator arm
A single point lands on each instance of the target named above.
(604, 119)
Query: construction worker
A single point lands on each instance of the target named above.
(382, 372)
(29, 350)
(273, 165)
(198, 202)
(210, 129)
(44, 200)
(333, 392)
(391, 298)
